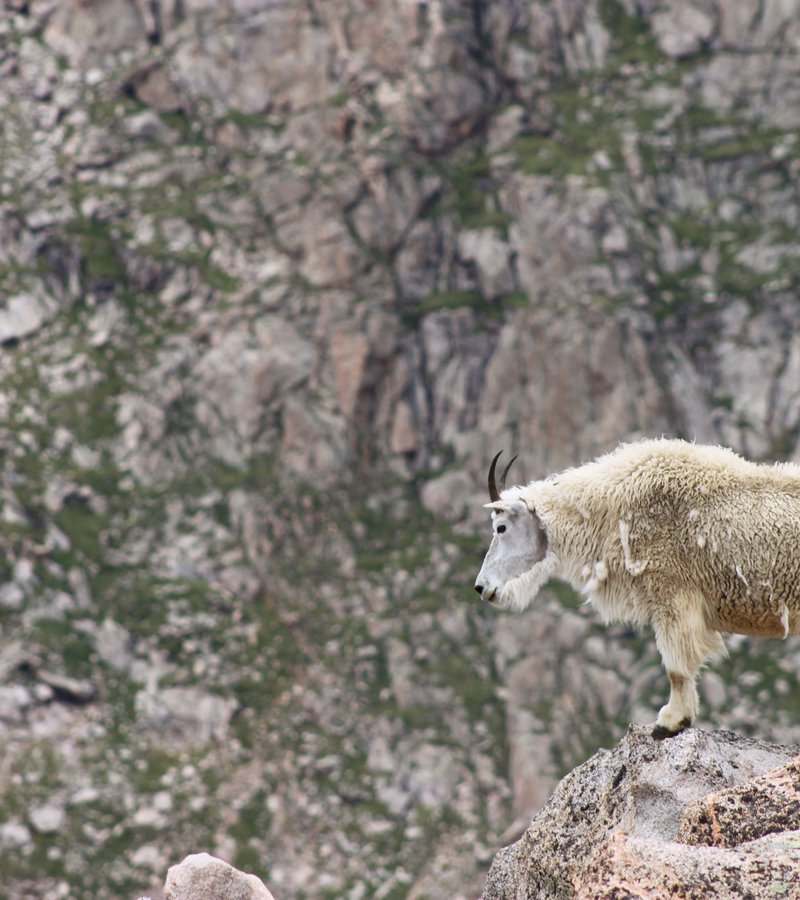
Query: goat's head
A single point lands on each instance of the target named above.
(518, 543)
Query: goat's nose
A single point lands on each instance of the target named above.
(479, 588)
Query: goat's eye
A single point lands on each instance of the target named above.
(501, 529)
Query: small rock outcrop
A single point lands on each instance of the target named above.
(705, 814)
(204, 877)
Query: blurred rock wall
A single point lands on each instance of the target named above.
(277, 278)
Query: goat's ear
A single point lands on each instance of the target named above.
(507, 506)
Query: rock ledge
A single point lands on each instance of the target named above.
(705, 814)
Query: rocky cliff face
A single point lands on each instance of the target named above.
(278, 277)
(708, 814)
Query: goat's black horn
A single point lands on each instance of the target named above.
(505, 472)
(494, 494)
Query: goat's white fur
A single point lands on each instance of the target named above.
(692, 540)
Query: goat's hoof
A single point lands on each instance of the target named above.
(659, 732)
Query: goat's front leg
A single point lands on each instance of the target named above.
(681, 709)
(685, 642)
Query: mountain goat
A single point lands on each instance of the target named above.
(692, 540)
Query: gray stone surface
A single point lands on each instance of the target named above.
(617, 823)
(203, 877)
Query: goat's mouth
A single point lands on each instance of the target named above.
(490, 596)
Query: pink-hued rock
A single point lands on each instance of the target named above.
(646, 867)
(629, 823)
(766, 805)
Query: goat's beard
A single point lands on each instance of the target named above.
(519, 592)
